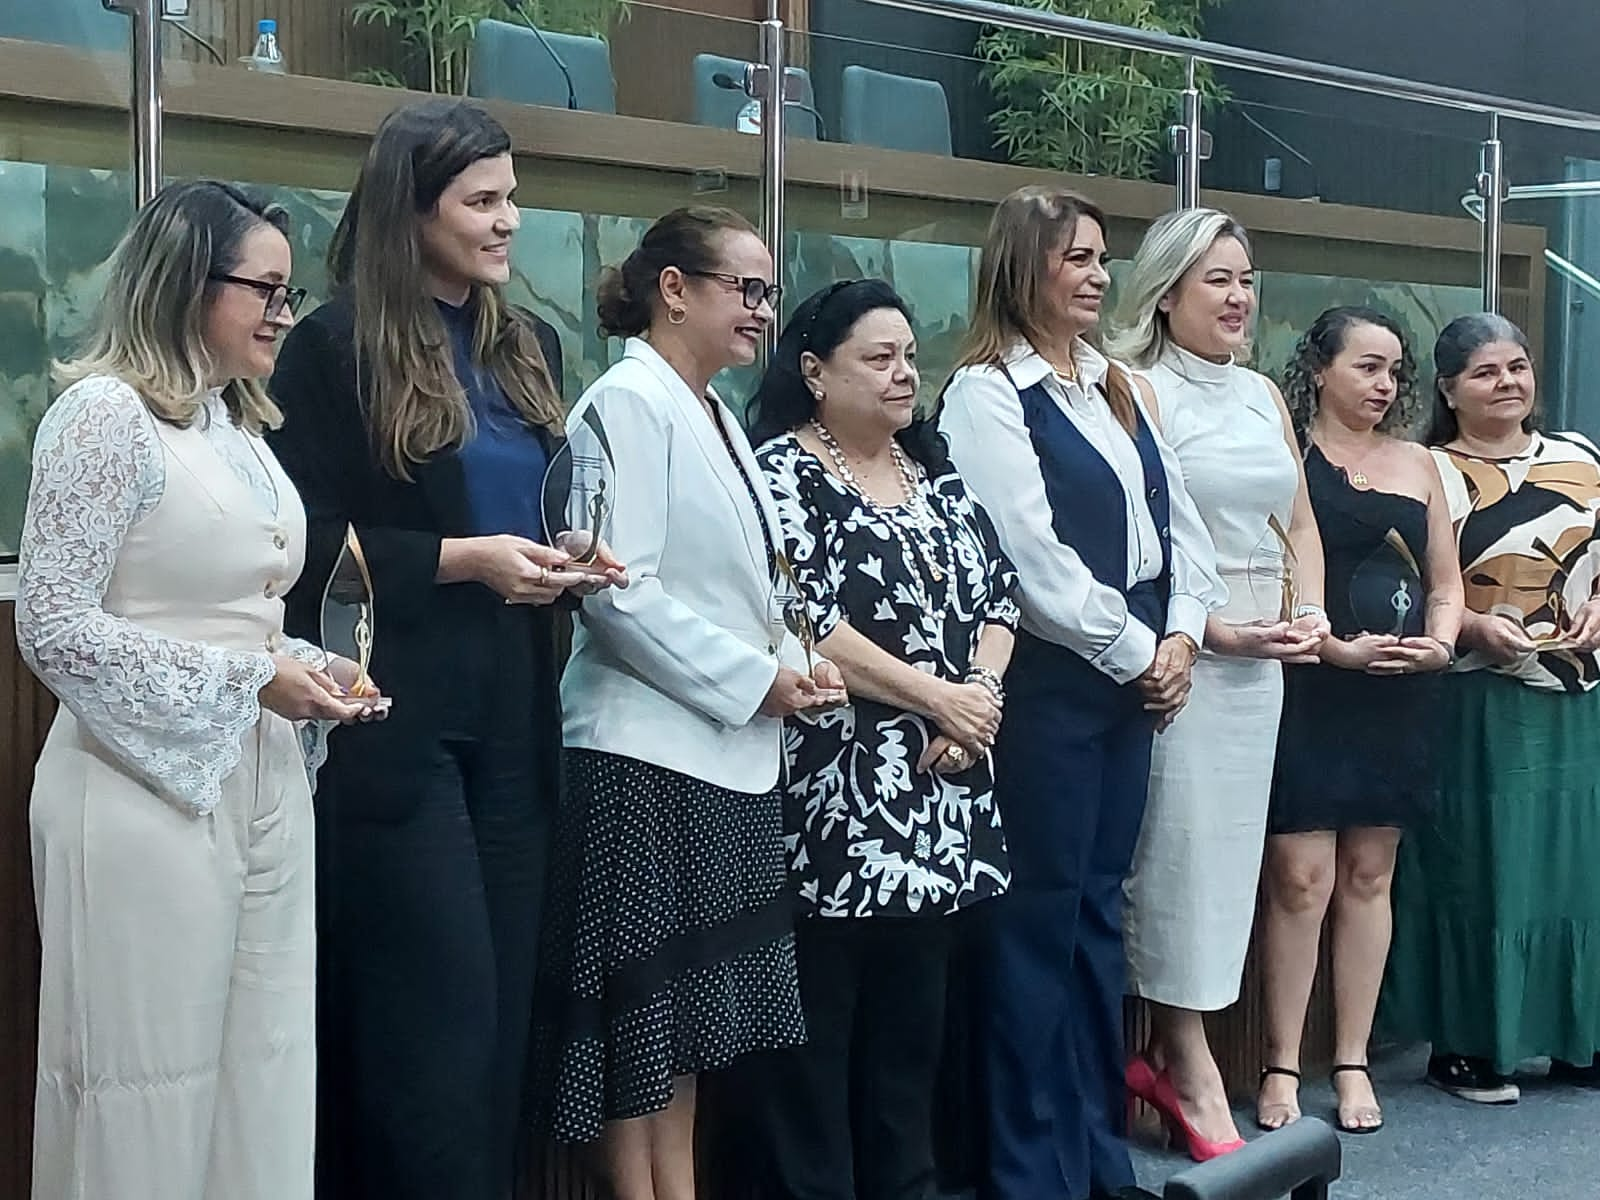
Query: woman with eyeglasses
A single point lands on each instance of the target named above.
(422, 409)
(171, 811)
(670, 944)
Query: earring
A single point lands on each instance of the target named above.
(818, 395)
(677, 314)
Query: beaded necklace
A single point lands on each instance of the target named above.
(915, 511)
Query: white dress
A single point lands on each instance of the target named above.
(1191, 896)
(171, 815)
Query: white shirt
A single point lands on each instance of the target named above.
(1061, 600)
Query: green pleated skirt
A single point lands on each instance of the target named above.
(1497, 900)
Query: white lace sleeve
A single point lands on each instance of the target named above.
(172, 711)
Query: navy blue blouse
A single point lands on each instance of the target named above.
(504, 462)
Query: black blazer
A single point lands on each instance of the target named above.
(452, 656)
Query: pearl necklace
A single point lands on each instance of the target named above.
(915, 511)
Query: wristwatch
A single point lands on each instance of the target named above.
(1194, 646)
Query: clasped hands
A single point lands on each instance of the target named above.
(1166, 681)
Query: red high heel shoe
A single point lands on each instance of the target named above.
(1156, 1090)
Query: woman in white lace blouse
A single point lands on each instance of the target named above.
(171, 810)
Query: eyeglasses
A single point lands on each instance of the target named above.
(753, 288)
(279, 296)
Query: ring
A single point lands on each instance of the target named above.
(544, 575)
(956, 755)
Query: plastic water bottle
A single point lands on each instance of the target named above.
(749, 118)
(266, 56)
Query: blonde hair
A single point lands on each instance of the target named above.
(149, 327)
(416, 404)
(1013, 270)
(1170, 249)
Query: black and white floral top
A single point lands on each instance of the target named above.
(867, 834)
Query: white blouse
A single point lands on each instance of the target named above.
(1060, 598)
(173, 710)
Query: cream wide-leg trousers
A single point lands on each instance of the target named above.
(177, 1056)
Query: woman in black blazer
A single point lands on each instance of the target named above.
(422, 409)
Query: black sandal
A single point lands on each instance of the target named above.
(1338, 1117)
(1289, 1119)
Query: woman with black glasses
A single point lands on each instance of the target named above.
(670, 944)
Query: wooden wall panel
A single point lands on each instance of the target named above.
(25, 713)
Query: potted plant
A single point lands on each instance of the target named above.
(436, 35)
(1089, 109)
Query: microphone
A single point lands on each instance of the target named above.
(729, 84)
(517, 6)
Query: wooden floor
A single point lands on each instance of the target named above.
(26, 709)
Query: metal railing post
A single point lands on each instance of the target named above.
(1186, 142)
(767, 84)
(1491, 189)
(144, 101)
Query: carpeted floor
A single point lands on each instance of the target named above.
(1435, 1147)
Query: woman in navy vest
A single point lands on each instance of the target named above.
(1117, 575)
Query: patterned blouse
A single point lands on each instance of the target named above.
(867, 834)
(1526, 531)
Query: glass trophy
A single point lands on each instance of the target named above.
(579, 493)
(1271, 575)
(347, 608)
(1386, 592)
(790, 602)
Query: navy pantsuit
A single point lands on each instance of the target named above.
(1072, 772)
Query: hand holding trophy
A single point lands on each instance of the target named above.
(579, 496)
(347, 624)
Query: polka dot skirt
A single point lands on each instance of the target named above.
(669, 945)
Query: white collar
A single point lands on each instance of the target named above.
(1196, 369)
(1028, 367)
(642, 351)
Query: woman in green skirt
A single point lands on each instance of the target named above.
(1497, 912)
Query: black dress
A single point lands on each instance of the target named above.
(1354, 750)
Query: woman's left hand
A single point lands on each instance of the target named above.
(347, 674)
(1584, 633)
(945, 756)
(1313, 625)
(606, 570)
(1411, 656)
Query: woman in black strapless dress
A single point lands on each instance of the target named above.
(1355, 759)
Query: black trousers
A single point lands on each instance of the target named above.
(431, 872)
(849, 1115)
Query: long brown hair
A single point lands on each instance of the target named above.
(416, 406)
(1013, 271)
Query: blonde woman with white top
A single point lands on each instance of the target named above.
(1185, 318)
(171, 810)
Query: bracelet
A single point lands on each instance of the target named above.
(1309, 610)
(990, 679)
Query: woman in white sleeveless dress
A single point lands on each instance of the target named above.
(1191, 895)
(171, 810)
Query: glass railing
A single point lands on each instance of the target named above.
(1555, 189)
(903, 130)
(65, 196)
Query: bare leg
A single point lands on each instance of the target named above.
(1362, 925)
(625, 1146)
(1298, 880)
(1178, 1043)
(672, 1143)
